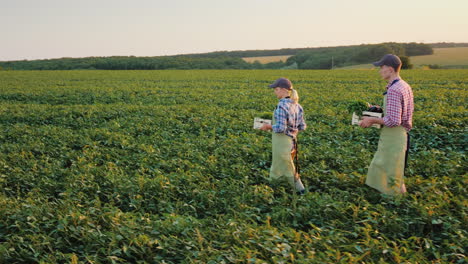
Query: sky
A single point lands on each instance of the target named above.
(41, 29)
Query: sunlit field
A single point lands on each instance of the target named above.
(164, 167)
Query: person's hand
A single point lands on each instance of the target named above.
(366, 122)
(265, 127)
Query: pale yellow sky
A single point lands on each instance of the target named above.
(32, 29)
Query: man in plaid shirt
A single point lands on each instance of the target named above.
(399, 105)
(387, 168)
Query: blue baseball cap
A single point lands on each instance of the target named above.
(389, 60)
(282, 83)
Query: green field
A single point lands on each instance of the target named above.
(164, 167)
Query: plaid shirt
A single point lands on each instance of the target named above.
(289, 118)
(399, 105)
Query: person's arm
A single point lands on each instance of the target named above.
(266, 127)
(368, 121)
(280, 121)
(302, 124)
(393, 115)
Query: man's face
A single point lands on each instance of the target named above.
(386, 72)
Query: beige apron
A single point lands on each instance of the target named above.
(282, 165)
(387, 167)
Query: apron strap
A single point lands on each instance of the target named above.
(407, 149)
(296, 156)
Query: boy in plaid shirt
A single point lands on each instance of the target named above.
(386, 171)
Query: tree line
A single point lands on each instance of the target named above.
(305, 58)
(328, 58)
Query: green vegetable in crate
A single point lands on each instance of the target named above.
(375, 109)
(265, 115)
(358, 106)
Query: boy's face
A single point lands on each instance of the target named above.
(386, 72)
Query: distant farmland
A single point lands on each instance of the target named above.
(446, 57)
(267, 59)
(456, 57)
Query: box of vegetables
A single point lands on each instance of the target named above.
(360, 109)
(263, 118)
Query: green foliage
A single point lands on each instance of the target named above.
(266, 115)
(130, 63)
(357, 106)
(164, 167)
(405, 62)
(293, 66)
(434, 66)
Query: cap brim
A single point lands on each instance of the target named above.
(272, 85)
(377, 63)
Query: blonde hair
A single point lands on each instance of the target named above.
(294, 95)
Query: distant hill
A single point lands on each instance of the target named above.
(285, 51)
(291, 58)
(249, 53)
(454, 57)
(445, 58)
(284, 57)
(328, 58)
(293, 51)
(447, 45)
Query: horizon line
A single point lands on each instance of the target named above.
(208, 52)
